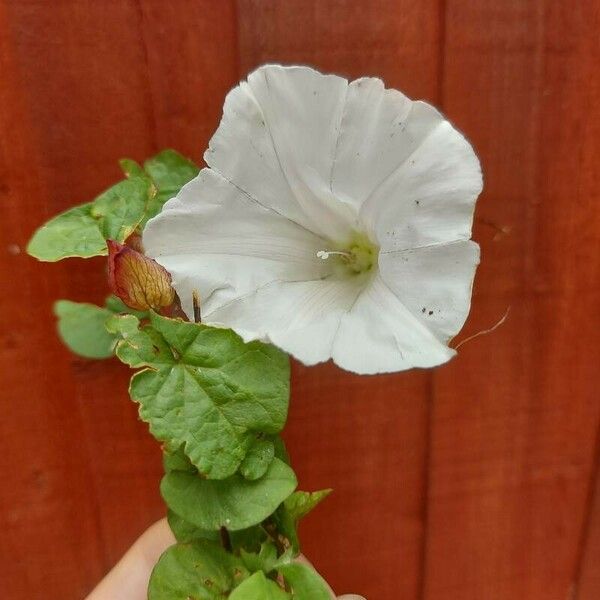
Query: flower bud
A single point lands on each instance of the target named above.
(139, 281)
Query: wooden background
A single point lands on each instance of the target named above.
(472, 482)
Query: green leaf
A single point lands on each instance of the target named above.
(280, 450)
(296, 506)
(266, 559)
(245, 540)
(119, 210)
(249, 539)
(204, 388)
(258, 587)
(74, 232)
(169, 171)
(82, 231)
(263, 560)
(140, 347)
(234, 503)
(116, 305)
(299, 504)
(305, 582)
(176, 460)
(199, 571)
(260, 454)
(81, 327)
(187, 532)
(131, 168)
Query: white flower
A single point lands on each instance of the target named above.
(334, 221)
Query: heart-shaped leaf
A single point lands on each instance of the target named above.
(201, 570)
(82, 231)
(234, 503)
(204, 388)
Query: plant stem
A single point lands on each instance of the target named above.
(225, 539)
(196, 304)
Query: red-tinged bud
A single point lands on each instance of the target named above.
(139, 281)
(135, 241)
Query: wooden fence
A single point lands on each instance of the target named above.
(471, 482)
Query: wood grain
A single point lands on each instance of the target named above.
(473, 482)
(516, 416)
(87, 84)
(588, 583)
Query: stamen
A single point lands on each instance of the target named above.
(325, 254)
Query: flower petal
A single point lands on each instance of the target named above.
(304, 162)
(379, 334)
(429, 199)
(380, 129)
(214, 239)
(277, 140)
(434, 283)
(302, 318)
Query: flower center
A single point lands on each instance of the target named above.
(357, 257)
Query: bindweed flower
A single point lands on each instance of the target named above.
(334, 221)
(140, 282)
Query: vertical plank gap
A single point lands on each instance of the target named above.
(430, 411)
(585, 535)
(426, 479)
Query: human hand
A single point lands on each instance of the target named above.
(128, 580)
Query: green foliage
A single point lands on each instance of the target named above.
(201, 570)
(186, 532)
(294, 508)
(258, 587)
(81, 328)
(169, 171)
(244, 540)
(74, 232)
(82, 231)
(131, 168)
(116, 305)
(258, 458)
(280, 450)
(299, 504)
(204, 389)
(267, 559)
(235, 503)
(305, 582)
(215, 402)
(119, 210)
(125, 207)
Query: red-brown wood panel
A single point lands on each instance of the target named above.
(61, 114)
(588, 583)
(515, 420)
(364, 436)
(472, 482)
(587, 177)
(84, 83)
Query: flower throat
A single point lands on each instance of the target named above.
(356, 258)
